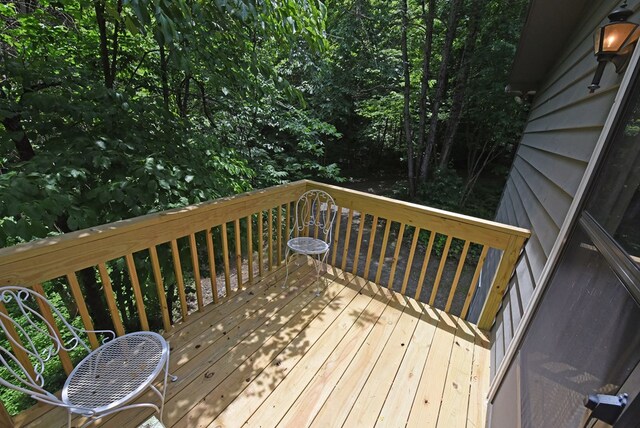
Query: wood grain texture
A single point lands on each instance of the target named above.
(72, 279)
(372, 239)
(89, 247)
(211, 257)
(461, 226)
(135, 284)
(45, 311)
(249, 221)
(238, 247)
(193, 250)
(162, 298)
(111, 301)
(499, 284)
(177, 268)
(358, 355)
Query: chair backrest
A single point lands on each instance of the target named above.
(315, 215)
(35, 330)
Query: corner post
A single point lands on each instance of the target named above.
(500, 281)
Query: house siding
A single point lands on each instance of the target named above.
(564, 125)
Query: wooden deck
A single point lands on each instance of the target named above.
(358, 355)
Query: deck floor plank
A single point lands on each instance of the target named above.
(309, 402)
(359, 355)
(299, 363)
(255, 393)
(397, 406)
(194, 362)
(479, 390)
(336, 407)
(426, 404)
(200, 324)
(367, 407)
(331, 344)
(231, 374)
(455, 398)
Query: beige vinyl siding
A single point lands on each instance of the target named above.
(564, 125)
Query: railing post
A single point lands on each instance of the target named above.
(500, 281)
(5, 418)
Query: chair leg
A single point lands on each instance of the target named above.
(164, 385)
(286, 266)
(318, 265)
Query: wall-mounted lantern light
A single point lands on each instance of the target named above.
(614, 42)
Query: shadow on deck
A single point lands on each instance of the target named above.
(357, 355)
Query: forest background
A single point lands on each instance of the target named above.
(114, 109)
(111, 109)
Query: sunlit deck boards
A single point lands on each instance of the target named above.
(358, 355)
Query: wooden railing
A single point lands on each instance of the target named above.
(440, 229)
(172, 250)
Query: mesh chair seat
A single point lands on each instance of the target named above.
(306, 245)
(116, 372)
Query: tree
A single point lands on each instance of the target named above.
(441, 85)
(114, 109)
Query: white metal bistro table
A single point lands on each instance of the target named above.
(116, 373)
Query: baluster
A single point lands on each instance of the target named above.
(236, 228)
(225, 258)
(356, 260)
(16, 343)
(456, 278)
(270, 239)
(474, 282)
(212, 265)
(177, 267)
(372, 239)
(133, 276)
(425, 264)
(82, 308)
(45, 310)
(279, 234)
(443, 262)
(111, 302)
(249, 221)
(196, 270)
(412, 252)
(336, 238)
(396, 255)
(383, 250)
(260, 244)
(345, 250)
(162, 298)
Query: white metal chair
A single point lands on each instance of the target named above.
(104, 382)
(315, 213)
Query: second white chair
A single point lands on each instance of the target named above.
(315, 213)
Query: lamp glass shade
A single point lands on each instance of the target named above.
(610, 38)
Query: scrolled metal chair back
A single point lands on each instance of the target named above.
(23, 315)
(315, 209)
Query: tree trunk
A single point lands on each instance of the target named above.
(459, 94)
(427, 19)
(93, 298)
(104, 48)
(407, 99)
(440, 89)
(23, 144)
(163, 77)
(114, 45)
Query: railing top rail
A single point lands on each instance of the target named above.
(478, 230)
(87, 247)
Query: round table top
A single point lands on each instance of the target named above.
(116, 372)
(306, 245)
